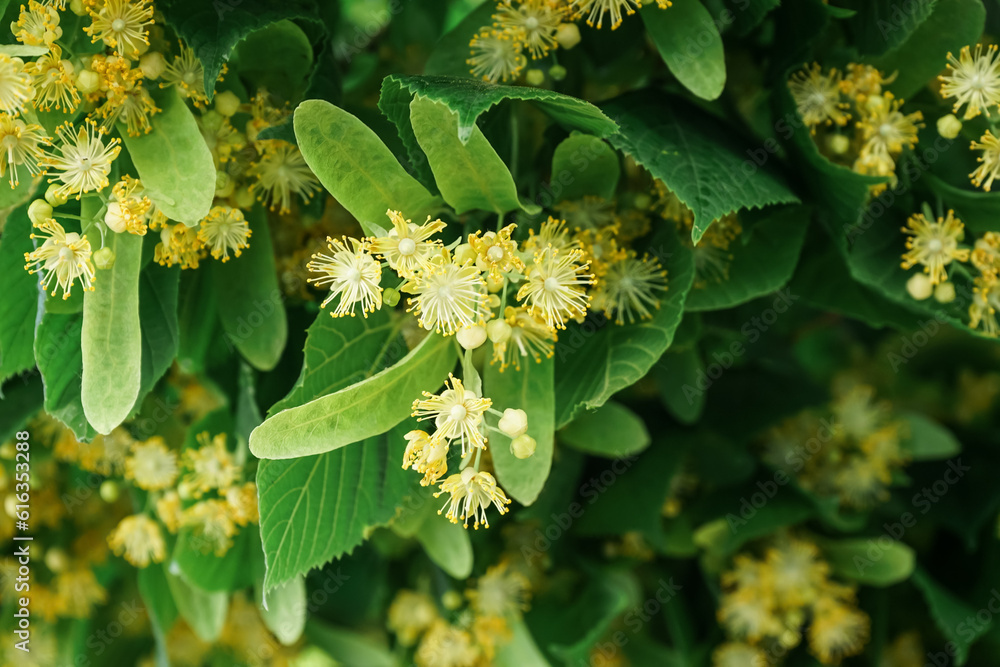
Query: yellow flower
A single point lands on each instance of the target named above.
(989, 162)
(934, 244)
(886, 130)
(526, 335)
(448, 297)
(863, 82)
(738, 654)
(188, 75)
(211, 524)
(426, 455)
(15, 85)
(129, 207)
(555, 288)
(749, 615)
(222, 138)
(121, 24)
(857, 413)
(536, 20)
(135, 110)
(151, 465)
(211, 465)
(53, 79)
(444, 645)
(596, 9)
(837, 631)
(600, 247)
(78, 592)
(21, 144)
(985, 254)
(63, 257)
(352, 274)
(179, 244)
(471, 493)
(169, 510)
(501, 592)
(629, 287)
(37, 25)
(83, 158)
(410, 614)
(242, 501)
(407, 248)
(224, 230)
(139, 538)
(552, 234)
(817, 96)
(861, 483)
(973, 79)
(457, 414)
(796, 572)
(496, 55)
(497, 252)
(985, 302)
(280, 172)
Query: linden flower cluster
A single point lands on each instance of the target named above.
(199, 490)
(880, 132)
(457, 637)
(850, 451)
(772, 600)
(539, 27)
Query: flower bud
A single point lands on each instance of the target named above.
(949, 126)
(39, 211)
(464, 253)
(390, 296)
(557, 72)
(838, 144)
(919, 286)
(114, 218)
(53, 197)
(243, 198)
(451, 600)
(568, 35)
(534, 77)
(110, 491)
(153, 65)
(471, 337)
(498, 330)
(493, 302)
(523, 446)
(944, 292)
(56, 560)
(88, 81)
(494, 284)
(77, 7)
(104, 258)
(8, 451)
(513, 423)
(227, 103)
(224, 184)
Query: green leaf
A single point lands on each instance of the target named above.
(159, 602)
(952, 25)
(870, 562)
(928, 440)
(23, 50)
(447, 544)
(212, 29)
(200, 567)
(205, 612)
(277, 58)
(677, 375)
(111, 338)
(19, 306)
(611, 431)
(531, 389)
(699, 159)
(761, 265)
(355, 166)
(609, 594)
(599, 358)
(284, 610)
(452, 50)
(585, 165)
(60, 361)
(21, 401)
(363, 410)
(11, 197)
(469, 175)
(158, 288)
(688, 40)
(744, 518)
(174, 162)
(348, 648)
(316, 508)
(950, 614)
(521, 650)
(197, 319)
(881, 25)
(980, 211)
(250, 302)
(749, 14)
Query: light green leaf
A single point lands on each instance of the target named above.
(348, 648)
(928, 440)
(159, 602)
(869, 561)
(284, 610)
(677, 376)
(611, 431)
(251, 305)
(355, 166)
(688, 40)
(585, 165)
(702, 161)
(60, 361)
(205, 612)
(530, 389)
(447, 544)
(591, 365)
(469, 175)
(196, 561)
(951, 614)
(158, 291)
(174, 162)
(11, 197)
(19, 306)
(761, 265)
(521, 650)
(197, 319)
(111, 338)
(277, 58)
(23, 50)
(363, 410)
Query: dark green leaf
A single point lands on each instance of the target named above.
(928, 440)
(19, 306)
(348, 648)
(881, 25)
(200, 567)
(870, 562)
(585, 165)
(447, 544)
(950, 614)
(678, 374)
(688, 40)
(611, 431)
(60, 361)
(158, 287)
